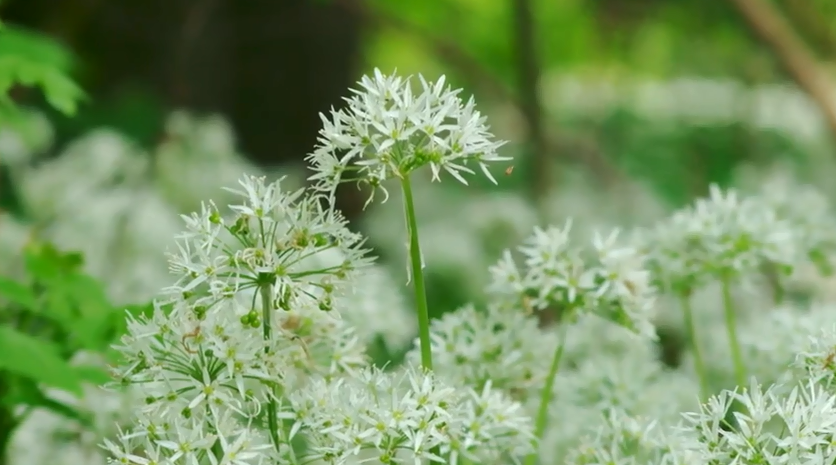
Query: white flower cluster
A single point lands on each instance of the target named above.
(813, 225)
(622, 439)
(817, 357)
(376, 307)
(613, 283)
(127, 208)
(773, 428)
(264, 246)
(387, 131)
(244, 321)
(721, 236)
(501, 346)
(248, 350)
(197, 156)
(408, 416)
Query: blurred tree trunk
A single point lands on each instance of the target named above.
(271, 66)
(767, 24)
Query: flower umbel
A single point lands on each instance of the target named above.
(613, 284)
(266, 242)
(387, 131)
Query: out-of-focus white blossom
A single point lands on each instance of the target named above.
(611, 282)
(28, 137)
(406, 414)
(811, 216)
(386, 131)
(607, 367)
(461, 233)
(376, 306)
(46, 437)
(624, 439)
(196, 157)
(817, 356)
(721, 236)
(103, 159)
(501, 346)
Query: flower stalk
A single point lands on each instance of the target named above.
(731, 329)
(417, 274)
(546, 396)
(691, 328)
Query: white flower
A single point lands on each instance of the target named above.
(771, 427)
(265, 245)
(387, 131)
(612, 282)
(407, 414)
(198, 155)
(718, 237)
(495, 345)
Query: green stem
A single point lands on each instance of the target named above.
(417, 276)
(731, 328)
(546, 396)
(266, 291)
(685, 300)
(8, 424)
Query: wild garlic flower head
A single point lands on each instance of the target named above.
(817, 357)
(388, 131)
(190, 440)
(634, 380)
(376, 307)
(630, 379)
(244, 323)
(404, 415)
(264, 246)
(623, 439)
(772, 427)
(814, 226)
(770, 342)
(721, 236)
(196, 369)
(610, 280)
(501, 346)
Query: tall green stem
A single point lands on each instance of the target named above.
(699, 364)
(276, 432)
(546, 396)
(417, 276)
(731, 328)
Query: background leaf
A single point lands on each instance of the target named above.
(39, 360)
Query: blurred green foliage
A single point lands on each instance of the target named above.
(33, 60)
(48, 316)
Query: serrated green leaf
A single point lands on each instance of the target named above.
(17, 293)
(33, 59)
(39, 360)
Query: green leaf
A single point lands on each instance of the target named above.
(92, 374)
(17, 293)
(24, 391)
(92, 327)
(39, 360)
(32, 59)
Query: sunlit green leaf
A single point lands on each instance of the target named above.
(17, 293)
(37, 359)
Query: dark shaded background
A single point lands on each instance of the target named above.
(270, 66)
